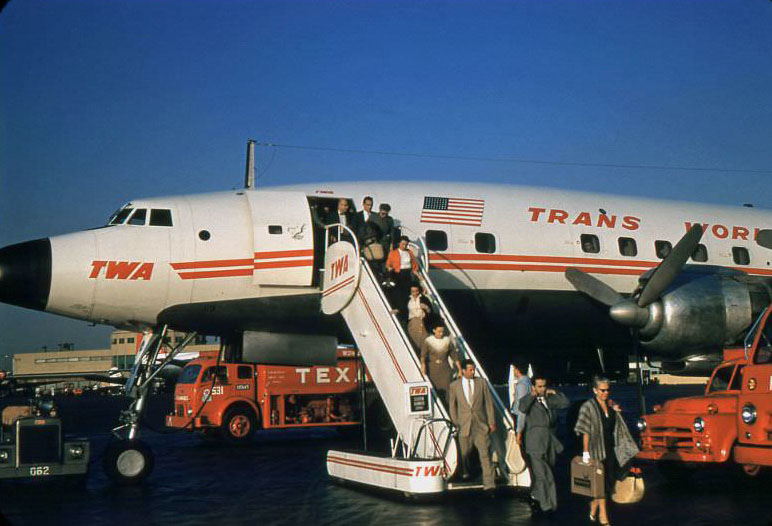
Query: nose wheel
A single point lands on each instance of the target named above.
(128, 462)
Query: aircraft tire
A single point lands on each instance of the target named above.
(128, 462)
(238, 425)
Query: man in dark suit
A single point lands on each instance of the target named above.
(361, 219)
(540, 407)
(471, 409)
(341, 215)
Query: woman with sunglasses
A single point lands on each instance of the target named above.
(605, 438)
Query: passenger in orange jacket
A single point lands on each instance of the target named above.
(402, 264)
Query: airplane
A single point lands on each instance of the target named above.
(534, 273)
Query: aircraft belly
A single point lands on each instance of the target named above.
(500, 325)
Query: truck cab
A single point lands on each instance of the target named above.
(731, 421)
(696, 429)
(33, 445)
(753, 450)
(233, 400)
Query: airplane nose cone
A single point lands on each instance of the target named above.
(25, 274)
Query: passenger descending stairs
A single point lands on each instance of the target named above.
(424, 455)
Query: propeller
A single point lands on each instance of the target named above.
(632, 312)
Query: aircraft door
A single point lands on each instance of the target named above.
(283, 238)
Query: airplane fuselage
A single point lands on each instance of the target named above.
(248, 260)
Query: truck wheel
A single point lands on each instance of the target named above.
(238, 425)
(128, 462)
(750, 470)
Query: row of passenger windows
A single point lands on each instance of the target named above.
(138, 217)
(629, 248)
(484, 243)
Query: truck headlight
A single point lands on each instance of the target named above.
(641, 424)
(699, 424)
(190, 411)
(748, 413)
(76, 451)
(4, 456)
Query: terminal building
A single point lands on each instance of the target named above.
(71, 362)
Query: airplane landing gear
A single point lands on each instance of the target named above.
(129, 460)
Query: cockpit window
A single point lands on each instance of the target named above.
(138, 217)
(160, 217)
(120, 216)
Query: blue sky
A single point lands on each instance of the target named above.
(101, 102)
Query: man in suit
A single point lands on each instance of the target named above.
(361, 220)
(341, 215)
(471, 409)
(540, 407)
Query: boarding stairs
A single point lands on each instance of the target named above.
(424, 455)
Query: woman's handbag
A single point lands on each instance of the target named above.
(514, 458)
(630, 489)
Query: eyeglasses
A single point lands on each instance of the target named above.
(604, 390)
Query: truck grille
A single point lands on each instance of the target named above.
(672, 438)
(39, 444)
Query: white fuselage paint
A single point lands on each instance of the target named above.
(102, 275)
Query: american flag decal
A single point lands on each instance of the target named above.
(452, 211)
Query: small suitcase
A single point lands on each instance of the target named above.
(587, 479)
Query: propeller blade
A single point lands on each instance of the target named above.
(670, 267)
(593, 287)
(764, 238)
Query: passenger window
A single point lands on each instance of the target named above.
(485, 243)
(737, 381)
(628, 247)
(700, 253)
(741, 256)
(138, 218)
(721, 377)
(120, 216)
(244, 372)
(160, 217)
(662, 248)
(590, 243)
(274, 229)
(436, 240)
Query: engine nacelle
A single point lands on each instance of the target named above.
(704, 310)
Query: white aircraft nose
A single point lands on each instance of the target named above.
(25, 274)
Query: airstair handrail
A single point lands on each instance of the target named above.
(452, 431)
(424, 253)
(347, 229)
(506, 415)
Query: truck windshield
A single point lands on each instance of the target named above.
(189, 374)
(721, 377)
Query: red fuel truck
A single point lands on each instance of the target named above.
(731, 422)
(232, 400)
